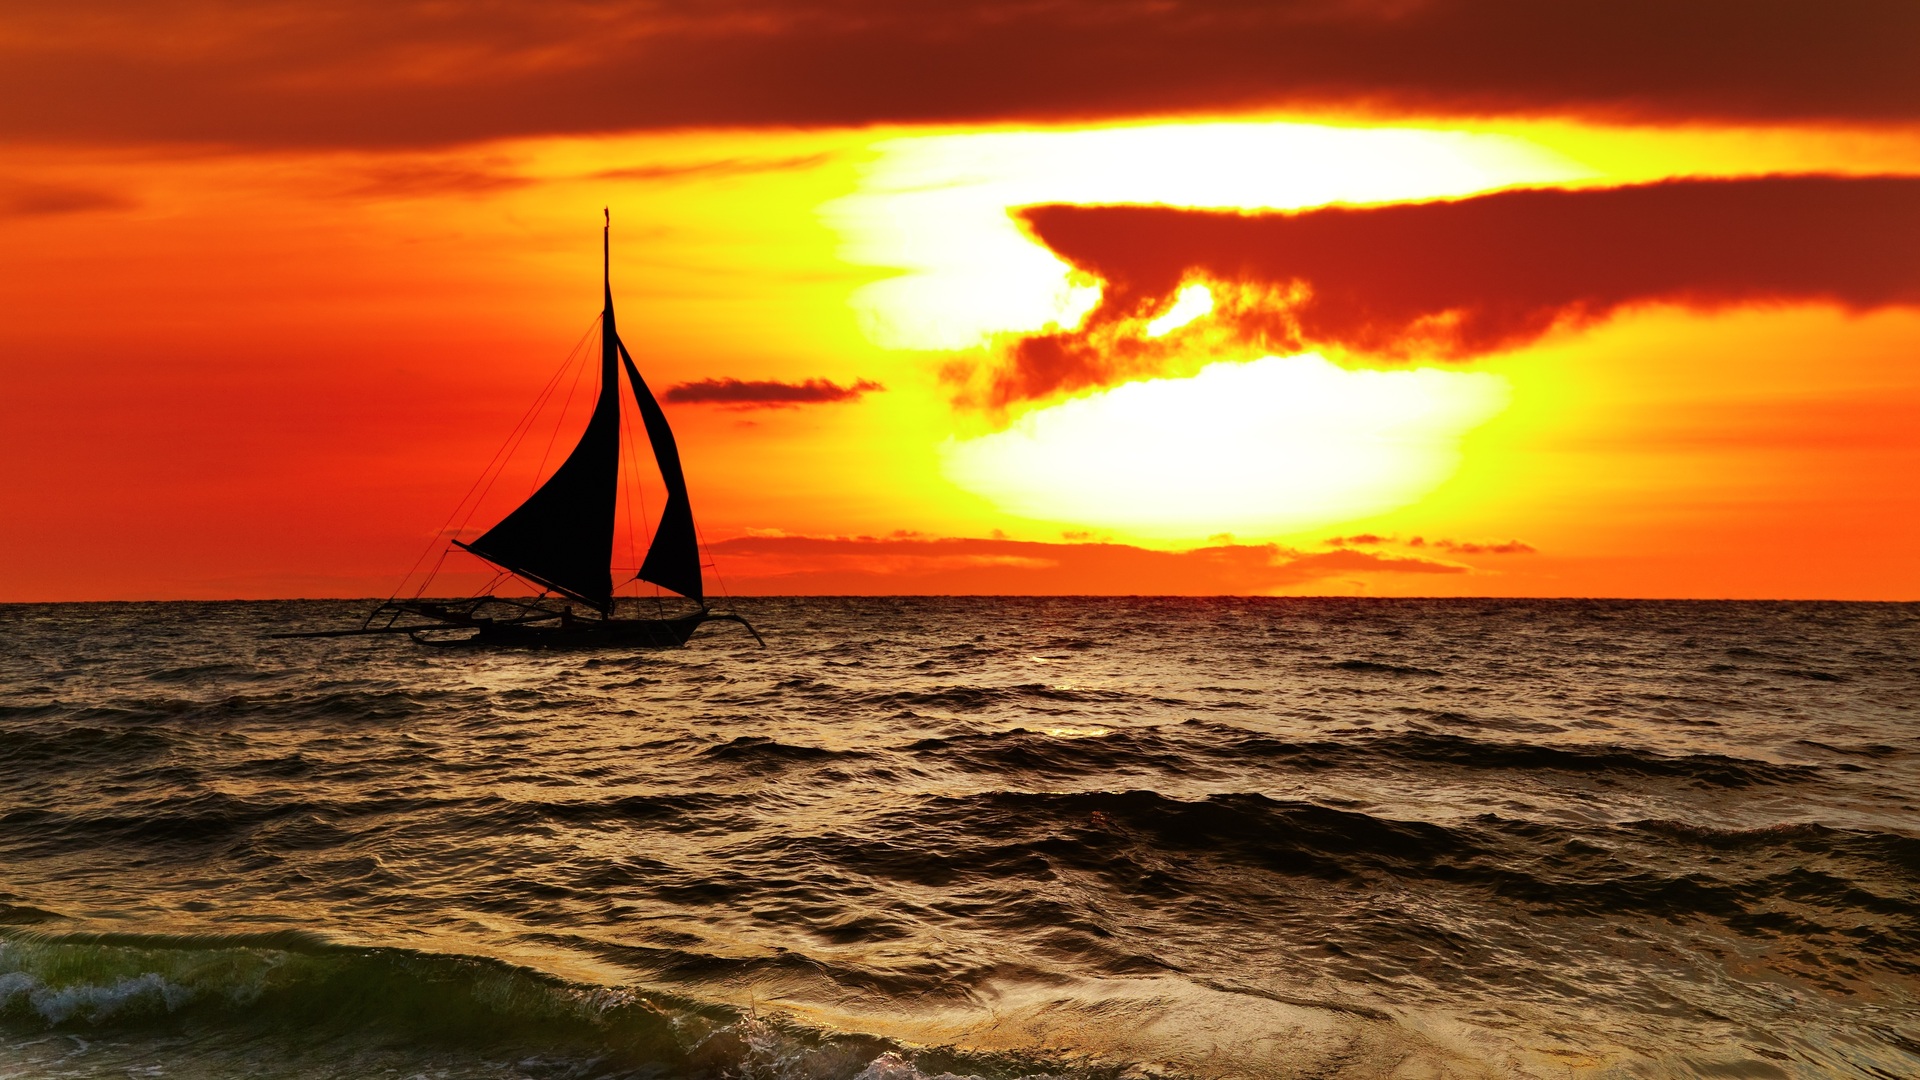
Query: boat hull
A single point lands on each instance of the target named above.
(526, 626)
(587, 633)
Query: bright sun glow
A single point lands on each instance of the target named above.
(1189, 304)
(936, 206)
(1265, 448)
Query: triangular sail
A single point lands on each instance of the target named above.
(673, 559)
(562, 536)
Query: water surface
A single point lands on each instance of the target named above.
(985, 837)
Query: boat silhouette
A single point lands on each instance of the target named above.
(560, 541)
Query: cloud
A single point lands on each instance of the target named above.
(1468, 547)
(412, 180)
(1459, 547)
(908, 563)
(1459, 278)
(26, 198)
(714, 169)
(415, 72)
(767, 394)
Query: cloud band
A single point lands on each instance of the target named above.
(1460, 278)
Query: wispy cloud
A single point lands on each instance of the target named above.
(407, 180)
(1458, 547)
(25, 198)
(768, 394)
(912, 563)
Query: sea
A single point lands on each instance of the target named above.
(906, 839)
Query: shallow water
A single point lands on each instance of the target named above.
(985, 837)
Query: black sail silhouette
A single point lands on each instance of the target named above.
(673, 559)
(562, 537)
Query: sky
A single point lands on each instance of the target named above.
(1353, 297)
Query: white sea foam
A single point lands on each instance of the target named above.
(93, 1002)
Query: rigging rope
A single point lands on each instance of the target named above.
(561, 418)
(500, 458)
(532, 417)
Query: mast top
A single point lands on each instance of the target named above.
(606, 275)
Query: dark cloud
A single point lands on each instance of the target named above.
(416, 72)
(908, 564)
(766, 394)
(1461, 278)
(28, 198)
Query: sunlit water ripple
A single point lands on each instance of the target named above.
(985, 837)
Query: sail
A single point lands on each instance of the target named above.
(562, 536)
(673, 559)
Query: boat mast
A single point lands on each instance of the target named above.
(561, 537)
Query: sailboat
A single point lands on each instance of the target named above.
(560, 541)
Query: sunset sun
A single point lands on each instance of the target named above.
(1267, 447)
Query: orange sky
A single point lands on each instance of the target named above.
(1389, 299)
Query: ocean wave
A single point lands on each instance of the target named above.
(269, 825)
(1037, 696)
(662, 811)
(357, 704)
(204, 817)
(1378, 667)
(1714, 770)
(1247, 828)
(130, 980)
(759, 750)
(1179, 747)
(1898, 853)
(215, 672)
(1150, 846)
(299, 988)
(83, 746)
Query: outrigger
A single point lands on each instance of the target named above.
(560, 540)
